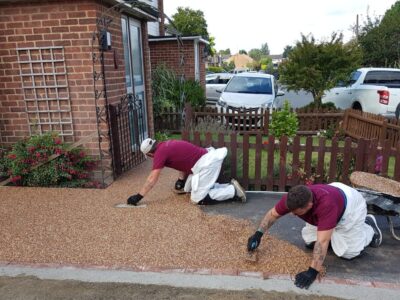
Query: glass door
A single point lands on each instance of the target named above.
(134, 78)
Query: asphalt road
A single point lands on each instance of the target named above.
(296, 99)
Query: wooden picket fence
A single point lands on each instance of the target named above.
(245, 120)
(357, 124)
(276, 165)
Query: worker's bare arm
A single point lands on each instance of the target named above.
(269, 219)
(321, 248)
(150, 181)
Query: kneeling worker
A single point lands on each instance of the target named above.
(334, 213)
(198, 171)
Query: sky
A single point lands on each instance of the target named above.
(248, 24)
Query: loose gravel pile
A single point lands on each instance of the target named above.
(375, 183)
(81, 226)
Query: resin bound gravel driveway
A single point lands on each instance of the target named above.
(82, 227)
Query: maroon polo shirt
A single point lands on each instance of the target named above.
(176, 154)
(328, 205)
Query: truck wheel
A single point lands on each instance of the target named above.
(357, 106)
(397, 113)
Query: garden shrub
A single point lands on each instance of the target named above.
(313, 105)
(71, 169)
(284, 122)
(167, 91)
(215, 69)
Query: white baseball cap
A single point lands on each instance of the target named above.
(147, 145)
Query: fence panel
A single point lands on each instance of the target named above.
(359, 124)
(278, 165)
(244, 120)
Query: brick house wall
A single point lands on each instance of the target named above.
(69, 24)
(167, 52)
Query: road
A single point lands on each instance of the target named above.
(296, 100)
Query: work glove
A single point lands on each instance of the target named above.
(306, 278)
(180, 184)
(134, 199)
(254, 241)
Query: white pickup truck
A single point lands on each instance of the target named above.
(374, 90)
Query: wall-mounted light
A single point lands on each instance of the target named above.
(105, 40)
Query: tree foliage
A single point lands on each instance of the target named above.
(255, 54)
(225, 52)
(264, 49)
(192, 22)
(286, 51)
(242, 51)
(380, 40)
(316, 67)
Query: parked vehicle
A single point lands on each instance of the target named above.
(249, 91)
(214, 82)
(373, 90)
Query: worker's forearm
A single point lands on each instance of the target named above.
(267, 221)
(148, 185)
(319, 254)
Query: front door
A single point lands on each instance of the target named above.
(134, 79)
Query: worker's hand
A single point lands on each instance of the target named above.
(254, 241)
(134, 199)
(306, 278)
(180, 184)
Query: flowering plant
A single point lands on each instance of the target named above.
(27, 163)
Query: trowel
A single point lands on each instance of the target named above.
(124, 205)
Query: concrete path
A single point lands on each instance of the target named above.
(200, 281)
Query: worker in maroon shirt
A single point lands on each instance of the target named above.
(335, 214)
(198, 168)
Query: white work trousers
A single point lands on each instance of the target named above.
(204, 177)
(351, 235)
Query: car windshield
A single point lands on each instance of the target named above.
(249, 85)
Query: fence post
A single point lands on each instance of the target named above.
(188, 115)
(345, 121)
(382, 134)
(115, 146)
(266, 122)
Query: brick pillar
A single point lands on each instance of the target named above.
(161, 24)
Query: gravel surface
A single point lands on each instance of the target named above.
(375, 183)
(82, 226)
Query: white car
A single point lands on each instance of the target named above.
(215, 82)
(250, 90)
(373, 90)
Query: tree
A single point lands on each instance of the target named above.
(265, 49)
(255, 54)
(316, 67)
(242, 52)
(228, 66)
(225, 52)
(286, 51)
(380, 40)
(266, 63)
(192, 22)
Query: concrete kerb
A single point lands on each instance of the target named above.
(203, 278)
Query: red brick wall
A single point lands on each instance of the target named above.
(60, 23)
(45, 24)
(168, 53)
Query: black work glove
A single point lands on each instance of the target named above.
(134, 199)
(306, 278)
(254, 241)
(180, 184)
